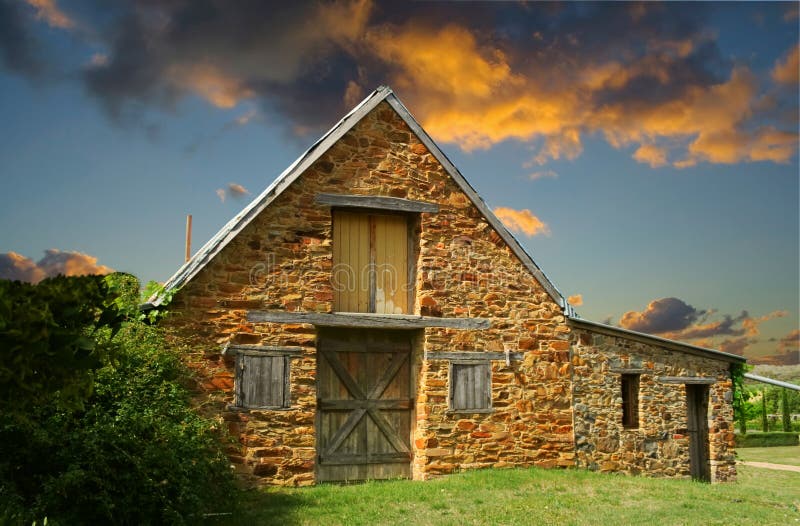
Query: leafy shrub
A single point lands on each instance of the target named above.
(135, 452)
(767, 439)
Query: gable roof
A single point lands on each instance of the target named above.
(207, 252)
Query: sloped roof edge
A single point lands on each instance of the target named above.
(207, 252)
(656, 340)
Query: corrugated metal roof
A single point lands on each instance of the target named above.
(771, 381)
(243, 218)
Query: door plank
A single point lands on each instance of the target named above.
(342, 433)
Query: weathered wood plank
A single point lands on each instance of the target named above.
(470, 386)
(343, 432)
(349, 405)
(368, 320)
(388, 375)
(344, 376)
(469, 356)
(388, 431)
(375, 202)
(371, 458)
(261, 350)
(692, 380)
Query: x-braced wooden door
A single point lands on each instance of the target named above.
(365, 403)
(697, 421)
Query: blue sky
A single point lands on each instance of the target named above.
(656, 142)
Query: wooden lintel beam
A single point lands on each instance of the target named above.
(367, 321)
(470, 356)
(261, 350)
(694, 380)
(381, 203)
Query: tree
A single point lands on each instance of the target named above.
(764, 423)
(48, 343)
(113, 438)
(787, 417)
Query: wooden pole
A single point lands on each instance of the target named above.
(188, 237)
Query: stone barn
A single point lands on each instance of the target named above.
(368, 316)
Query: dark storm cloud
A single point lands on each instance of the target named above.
(660, 316)
(646, 75)
(19, 49)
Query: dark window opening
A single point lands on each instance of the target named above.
(630, 401)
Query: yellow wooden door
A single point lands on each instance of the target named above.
(370, 263)
(391, 264)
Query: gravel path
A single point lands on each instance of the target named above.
(769, 465)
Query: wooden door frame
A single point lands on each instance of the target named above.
(413, 365)
(697, 403)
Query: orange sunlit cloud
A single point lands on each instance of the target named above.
(787, 70)
(52, 15)
(652, 155)
(522, 221)
(576, 300)
(211, 84)
(469, 94)
(55, 262)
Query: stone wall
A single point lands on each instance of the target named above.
(660, 445)
(283, 259)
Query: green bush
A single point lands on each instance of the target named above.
(776, 438)
(136, 452)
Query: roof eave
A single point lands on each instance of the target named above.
(657, 340)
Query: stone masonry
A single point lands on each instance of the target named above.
(282, 260)
(659, 447)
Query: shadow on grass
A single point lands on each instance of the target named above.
(264, 506)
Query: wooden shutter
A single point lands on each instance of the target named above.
(470, 386)
(262, 381)
(370, 263)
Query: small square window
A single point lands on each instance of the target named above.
(470, 386)
(630, 401)
(262, 381)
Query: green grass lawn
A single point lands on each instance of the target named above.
(777, 455)
(535, 496)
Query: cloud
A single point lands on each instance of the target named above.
(576, 300)
(675, 319)
(55, 262)
(787, 70)
(790, 342)
(49, 12)
(522, 221)
(736, 345)
(542, 174)
(17, 267)
(227, 53)
(234, 190)
(651, 154)
(662, 315)
(19, 49)
(647, 77)
(237, 190)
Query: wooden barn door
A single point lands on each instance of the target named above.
(697, 420)
(364, 406)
